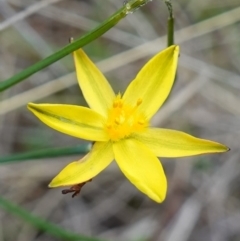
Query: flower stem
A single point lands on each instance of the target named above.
(130, 7)
(170, 24)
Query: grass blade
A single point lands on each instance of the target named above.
(47, 153)
(42, 224)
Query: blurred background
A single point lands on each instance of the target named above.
(203, 196)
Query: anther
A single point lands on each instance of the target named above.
(115, 103)
(139, 102)
(117, 121)
(120, 104)
(109, 126)
(141, 121)
(121, 119)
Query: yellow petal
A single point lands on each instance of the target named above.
(171, 143)
(72, 120)
(141, 167)
(96, 89)
(88, 167)
(154, 82)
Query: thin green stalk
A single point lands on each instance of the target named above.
(42, 224)
(170, 31)
(46, 153)
(170, 25)
(129, 7)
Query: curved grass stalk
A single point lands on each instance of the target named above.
(129, 7)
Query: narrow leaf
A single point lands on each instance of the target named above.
(46, 153)
(131, 6)
(42, 224)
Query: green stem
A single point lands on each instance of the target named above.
(170, 31)
(47, 153)
(41, 224)
(170, 25)
(129, 7)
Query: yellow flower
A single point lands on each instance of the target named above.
(120, 125)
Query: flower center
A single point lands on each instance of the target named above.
(124, 119)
